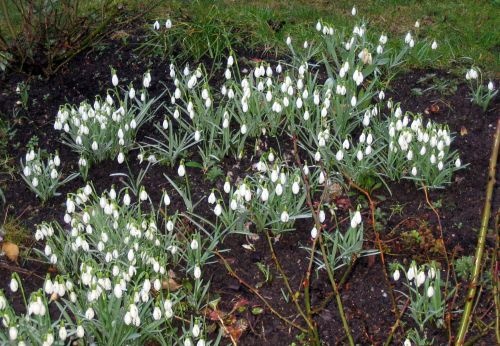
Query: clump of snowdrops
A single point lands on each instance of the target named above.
(344, 122)
(125, 276)
(481, 93)
(427, 303)
(105, 129)
(42, 172)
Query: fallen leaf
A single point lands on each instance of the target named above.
(237, 330)
(434, 108)
(463, 131)
(54, 296)
(11, 250)
(170, 284)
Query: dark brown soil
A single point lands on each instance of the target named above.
(365, 293)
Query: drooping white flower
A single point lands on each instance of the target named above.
(194, 244)
(63, 333)
(14, 285)
(114, 79)
(318, 26)
(196, 330)
(491, 87)
(420, 278)
(131, 93)
(156, 25)
(434, 45)
(288, 41)
(264, 196)
(80, 332)
(284, 216)
(168, 24)
(430, 291)
(181, 171)
(218, 209)
(197, 272)
(396, 275)
(354, 11)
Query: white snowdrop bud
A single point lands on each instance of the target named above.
(354, 101)
(95, 146)
(359, 155)
(321, 178)
(114, 79)
(14, 285)
(407, 342)
(194, 244)
(243, 129)
(279, 68)
(295, 188)
(156, 25)
(431, 273)
(430, 291)
(197, 135)
(396, 275)
(458, 163)
(181, 171)
(279, 189)
(168, 24)
(143, 195)
(227, 187)
(80, 332)
(317, 156)
(12, 333)
(339, 155)
(417, 24)
(354, 11)
(288, 41)
(491, 87)
(318, 26)
(89, 314)
(121, 157)
(53, 174)
(211, 198)
(218, 209)
(434, 45)
(197, 272)
(63, 333)
(131, 93)
(284, 216)
(264, 196)
(321, 216)
(126, 199)
(314, 232)
(196, 330)
(420, 278)
(156, 313)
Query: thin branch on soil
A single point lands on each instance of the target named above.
(494, 272)
(380, 248)
(309, 322)
(20, 270)
(448, 265)
(338, 298)
(397, 323)
(255, 292)
(464, 323)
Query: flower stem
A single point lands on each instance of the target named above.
(464, 323)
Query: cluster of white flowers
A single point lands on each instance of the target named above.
(36, 170)
(168, 24)
(417, 276)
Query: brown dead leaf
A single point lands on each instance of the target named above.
(120, 34)
(463, 131)
(54, 296)
(434, 108)
(237, 330)
(11, 250)
(170, 285)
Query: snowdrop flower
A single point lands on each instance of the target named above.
(354, 101)
(264, 196)
(57, 160)
(411, 44)
(12, 333)
(95, 146)
(14, 285)
(114, 79)
(168, 24)
(53, 174)
(181, 171)
(194, 244)
(131, 93)
(356, 219)
(491, 87)
(420, 278)
(243, 129)
(408, 38)
(146, 81)
(143, 195)
(284, 216)
(431, 273)
(458, 163)
(288, 41)
(407, 342)
(295, 188)
(156, 25)
(396, 275)
(89, 314)
(354, 11)
(126, 199)
(471, 74)
(227, 187)
(430, 291)
(279, 68)
(218, 209)
(339, 155)
(434, 45)
(80, 332)
(121, 157)
(156, 313)
(196, 330)
(63, 333)
(211, 198)
(318, 26)
(417, 24)
(197, 272)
